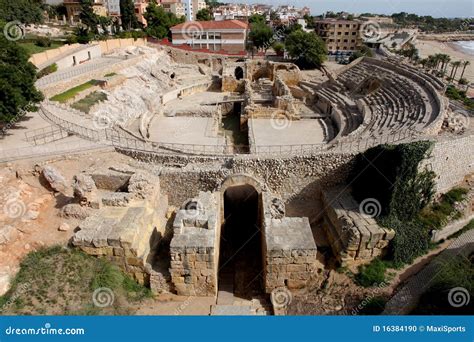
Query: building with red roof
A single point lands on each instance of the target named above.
(226, 35)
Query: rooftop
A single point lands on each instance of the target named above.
(211, 25)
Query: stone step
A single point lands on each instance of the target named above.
(232, 310)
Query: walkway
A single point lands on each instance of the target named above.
(406, 299)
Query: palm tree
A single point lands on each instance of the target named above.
(465, 64)
(456, 65)
(445, 59)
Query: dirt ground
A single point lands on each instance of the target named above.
(29, 208)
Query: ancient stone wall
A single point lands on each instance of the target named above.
(353, 234)
(289, 248)
(291, 177)
(451, 159)
(195, 246)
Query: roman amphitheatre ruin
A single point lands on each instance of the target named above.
(235, 175)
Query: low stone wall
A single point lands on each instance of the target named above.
(353, 235)
(59, 87)
(289, 248)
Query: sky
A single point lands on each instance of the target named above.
(435, 8)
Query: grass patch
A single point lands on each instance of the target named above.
(110, 74)
(48, 70)
(60, 281)
(452, 273)
(372, 274)
(85, 104)
(439, 214)
(69, 94)
(32, 48)
(467, 227)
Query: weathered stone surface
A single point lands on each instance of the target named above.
(83, 186)
(54, 178)
(116, 199)
(76, 211)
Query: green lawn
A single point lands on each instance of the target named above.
(69, 94)
(32, 48)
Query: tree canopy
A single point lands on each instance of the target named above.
(306, 48)
(17, 78)
(24, 11)
(127, 12)
(204, 15)
(88, 17)
(261, 35)
(159, 22)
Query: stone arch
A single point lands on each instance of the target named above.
(239, 73)
(241, 179)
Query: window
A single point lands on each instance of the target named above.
(345, 40)
(339, 33)
(347, 25)
(346, 33)
(353, 41)
(353, 33)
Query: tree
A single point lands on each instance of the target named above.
(127, 12)
(261, 36)
(17, 81)
(465, 64)
(159, 21)
(307, 48)
(83, 35)
(257, 18)
(88, 17)
(204, 15)
(105, 23)
(24, 11)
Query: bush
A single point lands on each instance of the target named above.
(71, 39)
(372, 274)
(279, 48)
(48, 70)
(463, 81)
(43, 42)
(456, 272)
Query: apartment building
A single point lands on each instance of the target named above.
(340, 34)
(73, 8)
(227, 35)
(140, 9)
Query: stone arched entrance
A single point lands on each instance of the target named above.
(240, 249)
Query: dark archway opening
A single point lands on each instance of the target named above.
(240, 269)
(239, 73)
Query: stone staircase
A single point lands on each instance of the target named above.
(229, 305)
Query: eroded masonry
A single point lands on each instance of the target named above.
(240, 180)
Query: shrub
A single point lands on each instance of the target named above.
(71, 39)
(43, 42)
(463, 81)
(48, 70)
(374, 306)
(371, 274)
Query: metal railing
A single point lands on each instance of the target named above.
(119, 140)
(46, 135)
